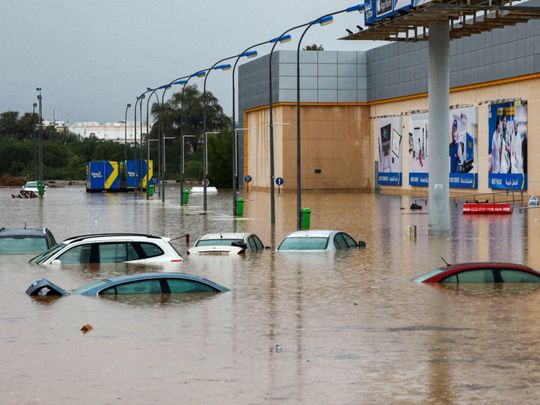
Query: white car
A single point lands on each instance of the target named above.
(32, 186)
(317, 241)
(110, 248)
(226, 244)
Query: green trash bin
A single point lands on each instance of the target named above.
(185, 196)
(151, 188)
(306, 218)
(41, 188)
(239, 207)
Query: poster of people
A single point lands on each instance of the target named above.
(508, 145)
(418, 150)
(462, 148)
(389, 138)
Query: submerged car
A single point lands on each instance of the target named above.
(226, 244)
(145, 283)
(318, 241)
(481, 272)
(22, 241)
(32, 186)
(110, 248)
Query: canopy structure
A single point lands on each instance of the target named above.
(466, 17)
(439, 22)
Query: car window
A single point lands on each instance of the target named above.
(349, 240)
(516, 276)
(182, 286)
(217, 242)
(451, 279)
(475, 276)
(48, 254)
(339, 242)
(77, 254)
(136, 287)
(116, 252)
(22, 244)
(258, 242)
(150, 250)
(304, 243)
(252, 244)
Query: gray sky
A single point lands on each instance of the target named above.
(92, 57)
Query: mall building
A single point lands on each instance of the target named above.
(364, 116)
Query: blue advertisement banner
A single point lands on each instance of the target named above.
(508, 145)
(419, 179)
(464, 180)
(390, 179)
(508, 181)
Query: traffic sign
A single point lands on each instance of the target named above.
(207, 182)
(279, 181)
(248, 179)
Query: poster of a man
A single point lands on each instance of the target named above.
(508, 145)
(462, 148)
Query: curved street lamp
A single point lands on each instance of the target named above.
(323, 20)
(125, 132)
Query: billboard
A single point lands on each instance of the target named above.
(380, 9)
(418, 150)
(508, 145)
(462, 148)
(389, 139)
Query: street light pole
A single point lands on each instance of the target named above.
(182, 166)
(40, 150)
(125, 133)
(323, 20)
(141, 145)
(153, 91)
(34, 143)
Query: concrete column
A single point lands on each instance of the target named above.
(438, 98)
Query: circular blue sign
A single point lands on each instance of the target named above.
(248, 179)
(279, 181)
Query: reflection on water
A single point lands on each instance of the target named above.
(348, 327)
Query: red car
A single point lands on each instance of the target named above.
(488, 272)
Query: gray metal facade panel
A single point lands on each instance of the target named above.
(390, 71)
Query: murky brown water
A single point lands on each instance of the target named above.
(352, 327)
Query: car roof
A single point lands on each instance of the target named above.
(23, 231)
(482, 265)
(224, 235)
(148, 276)
(112, 236)
(311, 234)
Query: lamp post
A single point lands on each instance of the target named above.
(141, 145)
(165, 87)
(249, 53)
(215, 66)
(125, 133)
(135, 141)
(40, 149)
(205, 164)
(152, 92)
(323, 20)
(182, 165)
(35, 162)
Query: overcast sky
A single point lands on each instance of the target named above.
(92, 57)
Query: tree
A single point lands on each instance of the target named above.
(313, 47)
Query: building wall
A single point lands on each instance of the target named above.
(384, 81)
(336, 147)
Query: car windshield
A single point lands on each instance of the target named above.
(217, 242)
(304, 243)
(22, 244)
(85, 288)
(31, 184)
(423, 277)
(46, 255)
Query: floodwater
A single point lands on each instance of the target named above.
(344, 328)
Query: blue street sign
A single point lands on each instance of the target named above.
(279, 181)
(248, 179)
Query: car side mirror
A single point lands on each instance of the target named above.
(56, 262)
(361, 244)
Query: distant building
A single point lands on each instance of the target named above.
(110, 131)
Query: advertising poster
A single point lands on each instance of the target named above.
(389, 139)
(462, 148)
(508, 145)
(418, 150)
